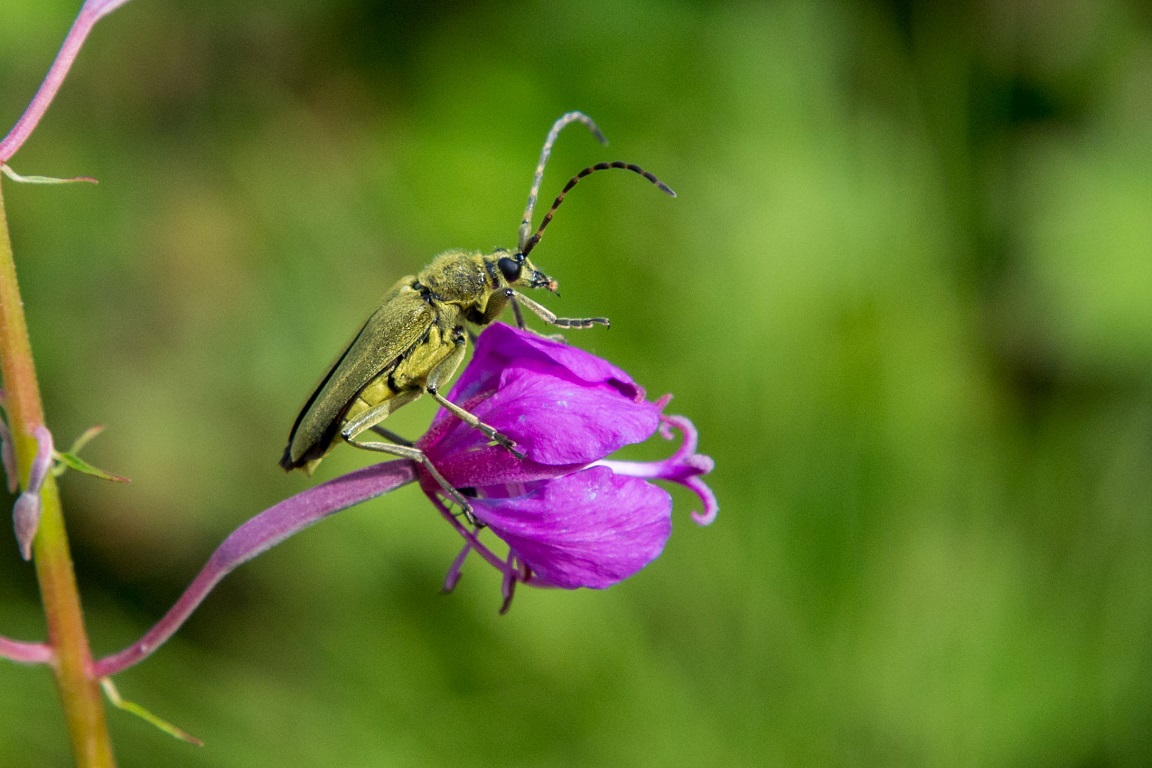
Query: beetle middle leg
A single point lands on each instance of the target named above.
(516, 312)
(388, 434)
(472, 420)
(442, 372)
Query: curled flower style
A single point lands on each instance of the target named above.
(570, 517)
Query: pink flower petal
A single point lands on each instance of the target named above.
(589, 529)
(551, 420)
(502, 348)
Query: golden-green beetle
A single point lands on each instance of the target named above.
(416, 339)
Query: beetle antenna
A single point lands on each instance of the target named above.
(527, 247)
(565, 119)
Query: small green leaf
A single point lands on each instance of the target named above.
(7, 169)
(130, 706)
(85, 438)
(68, 460)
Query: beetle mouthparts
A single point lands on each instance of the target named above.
(541, 280)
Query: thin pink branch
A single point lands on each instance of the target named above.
(260, 534)
(91, 12)
(25, 653)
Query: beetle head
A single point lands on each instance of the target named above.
(517, 269)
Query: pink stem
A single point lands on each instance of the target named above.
(259, 534)
(25, 653)
(90, 13)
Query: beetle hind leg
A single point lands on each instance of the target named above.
(415, 454)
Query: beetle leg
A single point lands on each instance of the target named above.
(444, 371)
(550, 317)
(374, 416)
(388, 434)
(516, 311)
(417, 455)
(473, 421)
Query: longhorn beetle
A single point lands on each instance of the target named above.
(416, 339)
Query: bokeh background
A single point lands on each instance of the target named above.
(905, 293)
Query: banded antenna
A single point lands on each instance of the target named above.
(565, 119)
(527, 246)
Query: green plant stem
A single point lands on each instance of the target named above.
(79, 692)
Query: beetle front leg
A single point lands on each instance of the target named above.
(550, 317)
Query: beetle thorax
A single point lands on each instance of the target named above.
(459, 277)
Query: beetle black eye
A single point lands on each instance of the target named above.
(510, 268)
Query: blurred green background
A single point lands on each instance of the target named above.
(905, 294)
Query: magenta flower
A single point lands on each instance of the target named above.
(570, 518)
